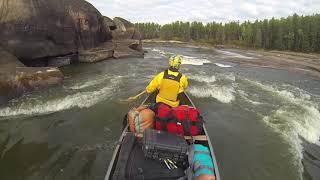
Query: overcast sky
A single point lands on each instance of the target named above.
(165, 11)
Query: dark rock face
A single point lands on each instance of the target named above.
(8, 61)
(55, 33)
(40, 28)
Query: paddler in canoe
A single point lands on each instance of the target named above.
(170, 83)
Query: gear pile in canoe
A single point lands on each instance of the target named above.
(159, 142)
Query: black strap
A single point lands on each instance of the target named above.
(187, 125)
(172, 77)
(163, 122)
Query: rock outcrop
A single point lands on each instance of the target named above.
(126, 42)
(127, 39)
(15, 78)
(35, 34)
(125, 30)
(103, 52)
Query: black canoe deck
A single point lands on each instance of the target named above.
(138, 156)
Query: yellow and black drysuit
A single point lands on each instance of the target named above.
(170, 84)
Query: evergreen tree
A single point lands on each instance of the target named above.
(296, 33)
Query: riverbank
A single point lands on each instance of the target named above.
(307, 63)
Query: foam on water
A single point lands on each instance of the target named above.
(88, 83)
(42, 106)
(223, 94)
(202, 78)
(226, 76)
(245, 96)
(233, 54)
(161, 52)
(190, 60)
(223, 65)
(194, 60)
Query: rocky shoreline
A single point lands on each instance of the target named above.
(37, 37)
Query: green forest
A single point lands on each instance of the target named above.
(294, 33)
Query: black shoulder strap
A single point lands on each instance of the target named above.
(179, 77)
(172, 77)
(166, 74)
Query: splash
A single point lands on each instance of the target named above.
(223, 94)
(203, 78)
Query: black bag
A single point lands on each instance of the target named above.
(141, 168)
(162, 145)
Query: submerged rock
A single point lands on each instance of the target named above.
(24, 79)
(15, 78)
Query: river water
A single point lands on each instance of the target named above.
(257, 117)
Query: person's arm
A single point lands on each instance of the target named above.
(155, 83)
(183, 84)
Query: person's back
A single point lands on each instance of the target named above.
(170, 83)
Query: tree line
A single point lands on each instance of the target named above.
(294, 33)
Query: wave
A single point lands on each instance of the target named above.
(91, 83)
(203, 78)
(88, 83)
(292, 124)
(223, 65)
(43, 106)
(194, 60)
(223, 94)
(226, 76)
(161, 52)
(245, 96)
(233, 54)
(297, 117)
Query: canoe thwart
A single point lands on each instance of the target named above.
(197, 138)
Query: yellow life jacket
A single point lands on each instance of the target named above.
(170, 85)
